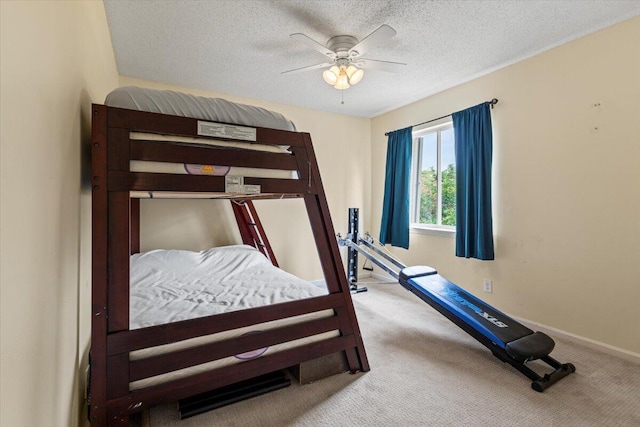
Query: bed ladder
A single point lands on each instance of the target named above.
(251, 228)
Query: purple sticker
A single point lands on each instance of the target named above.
(253, 353)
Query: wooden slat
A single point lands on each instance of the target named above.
(181, 153)
(142, 181)
(137, 339)
(170, 392)
(165, 124)
(173, 361)
(279, 137)
(152, 122)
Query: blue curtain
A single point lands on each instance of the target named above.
(473, 145)
(395, 208)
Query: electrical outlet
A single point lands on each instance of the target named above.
(487, 286)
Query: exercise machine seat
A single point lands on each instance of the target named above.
(530, 347)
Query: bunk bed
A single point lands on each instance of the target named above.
(190, 339)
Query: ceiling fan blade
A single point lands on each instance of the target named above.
(384, 32)
(313, 44)
(310, 67)
(374, 64)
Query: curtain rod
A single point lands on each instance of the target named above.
(493, 102)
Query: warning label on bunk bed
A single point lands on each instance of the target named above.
(220, 130)
(235, 184)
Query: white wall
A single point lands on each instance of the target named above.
(566, 180)
(56, 58)
(195, 225)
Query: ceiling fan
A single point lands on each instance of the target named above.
(346, 66)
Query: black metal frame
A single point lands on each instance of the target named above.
(357, 245)
(352, 252)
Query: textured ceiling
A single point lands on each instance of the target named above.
(241, 47)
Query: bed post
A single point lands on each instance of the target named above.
(111, 248)
(324, 234)
(119, 250)
(97, 393)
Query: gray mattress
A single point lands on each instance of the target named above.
(197, 107)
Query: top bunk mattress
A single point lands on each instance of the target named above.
(197, 107)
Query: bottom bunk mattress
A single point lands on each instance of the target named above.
(173, 285)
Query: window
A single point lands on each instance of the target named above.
(433, 192)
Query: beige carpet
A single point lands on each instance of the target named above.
(427, 372)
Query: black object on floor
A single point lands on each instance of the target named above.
(208, 401)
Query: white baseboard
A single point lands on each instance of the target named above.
(587, 342)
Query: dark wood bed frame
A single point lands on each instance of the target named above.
(115, 235)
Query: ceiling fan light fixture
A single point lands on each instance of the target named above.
(331, 75)
(343, 82)
(355, 74)
(345, 53)
(343, 77)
